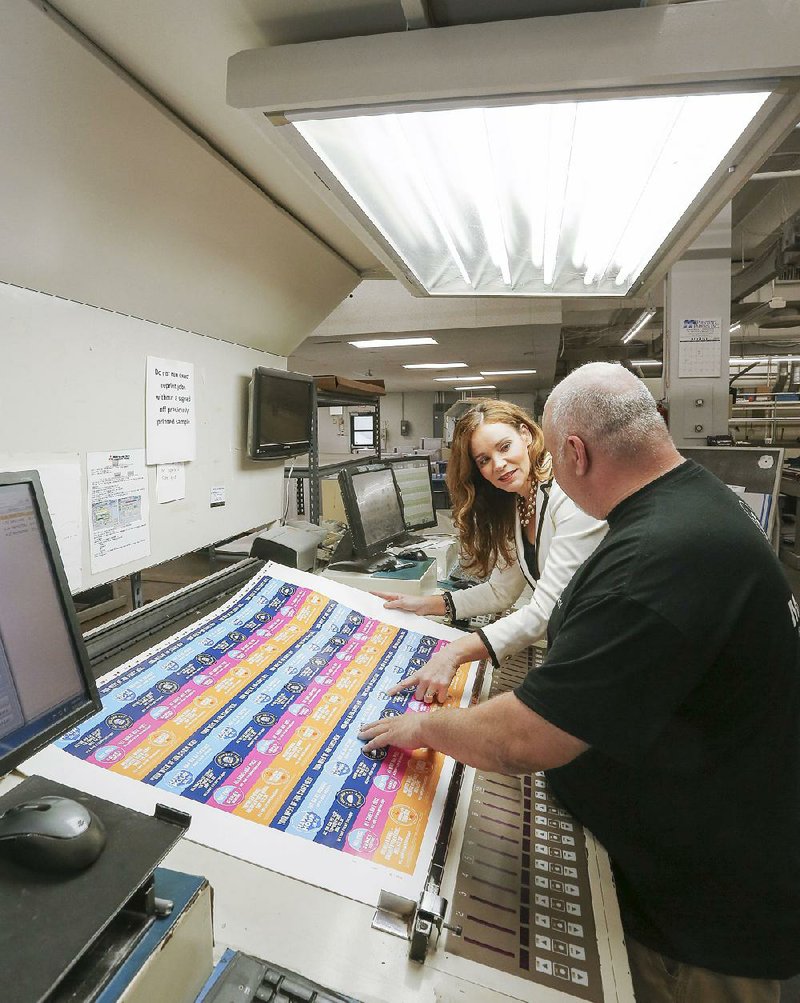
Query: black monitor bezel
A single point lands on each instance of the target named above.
(276, 450)
(414, 527)
(93, 703)
(360, 545)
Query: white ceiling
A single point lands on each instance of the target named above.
(179, 50)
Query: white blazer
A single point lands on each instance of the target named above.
(567, 536)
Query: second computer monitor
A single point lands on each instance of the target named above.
(414, 479)
(373, 507)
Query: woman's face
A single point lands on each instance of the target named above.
(500, 453)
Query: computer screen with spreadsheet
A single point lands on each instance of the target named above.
(46, 683)
(374, 511)
(413, 475)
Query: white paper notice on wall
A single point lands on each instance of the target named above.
(170, 411)
(119, 514)
(170, 482)
(700, 346)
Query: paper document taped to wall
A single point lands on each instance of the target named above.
(249, 720)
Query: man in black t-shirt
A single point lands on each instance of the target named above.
(667, 710)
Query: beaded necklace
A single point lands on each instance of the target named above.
(527, 507)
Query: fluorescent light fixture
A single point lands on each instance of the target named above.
(735, 327)
(392, 342)
(647, 362)
(456, 379)
(506, 372)
(434, 365)
(637, 327)
(746, 360)
(483, 386)
(522, 199)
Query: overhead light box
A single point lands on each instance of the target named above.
(572, 198)
(520, 158)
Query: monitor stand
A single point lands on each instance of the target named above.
(344, 549)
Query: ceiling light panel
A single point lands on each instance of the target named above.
(435, 365)
(569, 198)
(392, 342)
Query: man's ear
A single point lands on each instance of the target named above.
(576, 450)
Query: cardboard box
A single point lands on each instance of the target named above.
(338, 383)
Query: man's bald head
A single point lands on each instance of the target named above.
(609, 408)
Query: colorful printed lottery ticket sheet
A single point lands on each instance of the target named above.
(249, 721)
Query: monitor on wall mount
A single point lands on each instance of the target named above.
(280, 414)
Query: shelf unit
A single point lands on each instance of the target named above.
(774, 415)
(314, 470)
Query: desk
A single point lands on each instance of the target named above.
(419, 580)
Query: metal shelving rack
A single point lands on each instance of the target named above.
(314, 471)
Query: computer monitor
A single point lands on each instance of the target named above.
(415, 481)
(46, 682)
(373, 507)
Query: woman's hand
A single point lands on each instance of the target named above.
(432, 681)
(422, 605)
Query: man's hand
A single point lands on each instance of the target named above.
(432, 681)
(403, 732)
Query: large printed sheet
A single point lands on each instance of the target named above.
(248, 720)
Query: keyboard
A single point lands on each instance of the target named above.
(244, 979)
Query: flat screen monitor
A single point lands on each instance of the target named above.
(415, 481)
(46, 682)
(280, 414)
(373, 507)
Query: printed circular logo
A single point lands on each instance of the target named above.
(108, 754)
(377, 755)
(228, 759)
(162, 713)
(294, 687)
(128, 695)
(269, 747)
(362, 841)
(226, 733)
(354, 618)
(350, 799)
(308, 732)
(236, 635)
(167, 686)
(202, 679)
(403, 815)
(205, 659)
(417, 662)
(309, 821)
(338, 768)
(286, 590)
(209, 700)
(119, 722)
(318, 662)
(275, 775)
(386, 783)
(430, 641)
(323, 679)
(299, 710)
(389, 712)
(338, 640)
(261, 617)
(265, 718)
(181, 779)
(227, 795)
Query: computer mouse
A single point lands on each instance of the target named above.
(413, 555)
(387, 564)
(52, 834)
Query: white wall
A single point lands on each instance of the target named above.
(108, 200)
(72, 381)
(416, 408)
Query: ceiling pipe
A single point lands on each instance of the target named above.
(774, 175)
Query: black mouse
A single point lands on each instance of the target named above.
(413, 555)
(52, 834)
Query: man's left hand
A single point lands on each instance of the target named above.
(404, 732)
